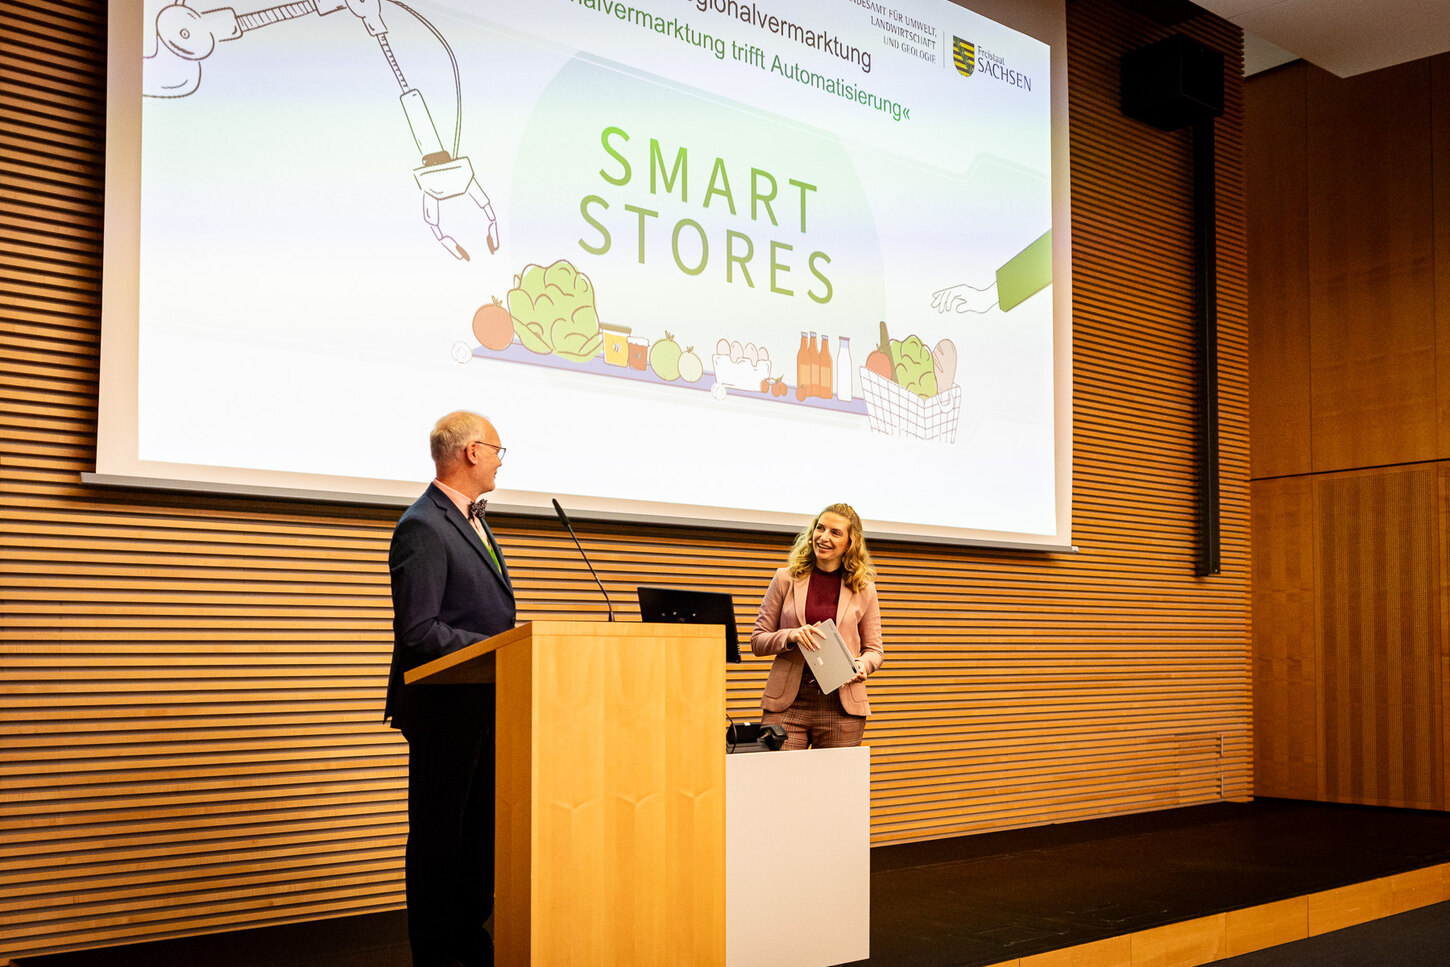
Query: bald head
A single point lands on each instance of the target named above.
(467, 452)
(452, 434)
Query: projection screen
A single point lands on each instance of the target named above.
(698, 260)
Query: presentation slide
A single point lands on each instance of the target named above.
(698, 260)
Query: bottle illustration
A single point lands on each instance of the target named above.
(843, 370)
(823, 379)
(813, 369)
(802, 368)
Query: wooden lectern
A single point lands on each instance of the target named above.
(610, 823)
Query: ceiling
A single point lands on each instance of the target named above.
(1345, 37)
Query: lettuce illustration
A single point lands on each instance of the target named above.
(553, 311)
(913, 365)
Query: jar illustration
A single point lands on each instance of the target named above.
(638, 352)
(616, 344)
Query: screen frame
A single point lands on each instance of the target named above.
(117, 464)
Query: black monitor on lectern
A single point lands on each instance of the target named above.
(687, 606)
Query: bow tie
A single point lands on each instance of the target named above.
(475, 509)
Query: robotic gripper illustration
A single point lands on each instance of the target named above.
(184, 37)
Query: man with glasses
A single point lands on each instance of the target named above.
(450, 589)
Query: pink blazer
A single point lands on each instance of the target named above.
(858, 616)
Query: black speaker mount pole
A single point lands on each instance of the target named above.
(1172, 84)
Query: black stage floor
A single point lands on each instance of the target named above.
(984, 899)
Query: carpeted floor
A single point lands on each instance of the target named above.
(1420, 938)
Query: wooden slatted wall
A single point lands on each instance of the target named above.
(191, 684)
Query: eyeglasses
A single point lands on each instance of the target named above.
(501, 450)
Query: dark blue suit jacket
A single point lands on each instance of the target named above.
(447, 594)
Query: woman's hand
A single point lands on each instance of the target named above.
(860, 672)
(805, 637)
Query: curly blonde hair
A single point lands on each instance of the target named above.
(856, 562)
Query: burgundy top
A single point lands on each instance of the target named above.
(823, 594)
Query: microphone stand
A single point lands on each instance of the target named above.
(564, 519)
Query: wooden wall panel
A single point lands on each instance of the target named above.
(1286, 724)
(1378, 658)
(1278, 204)
(1371, 283)
(1378, 329)
(1441, 643)
(1440, 201)
(190, 685)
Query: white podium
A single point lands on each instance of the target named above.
(798, 858)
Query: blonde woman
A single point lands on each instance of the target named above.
(828, 575)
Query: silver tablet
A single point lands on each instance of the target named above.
(831, 664)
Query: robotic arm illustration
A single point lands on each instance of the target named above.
(184, 37)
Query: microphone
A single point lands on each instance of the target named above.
(564, 519)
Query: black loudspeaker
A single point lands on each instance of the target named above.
(1166, 12)
(1173, 83)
